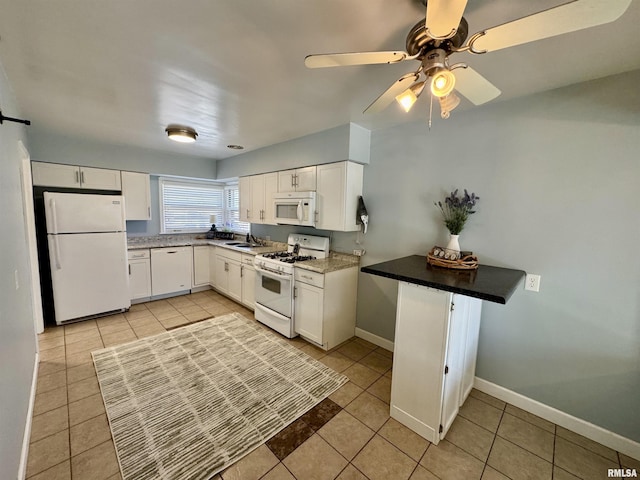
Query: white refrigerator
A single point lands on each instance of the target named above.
(88, 254)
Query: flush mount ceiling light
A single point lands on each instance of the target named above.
(181, 133)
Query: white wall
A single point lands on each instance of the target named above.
(17, 333)
(558, 175)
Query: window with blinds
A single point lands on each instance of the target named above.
(186, 206)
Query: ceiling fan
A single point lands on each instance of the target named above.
(444, 32)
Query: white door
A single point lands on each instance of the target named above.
(244, 191)
(71, 213)
(100, 178)
(55, 175)
(270, 187)
(235, 280)
(89, 274)
(454, 361)
(306, 179)
(221, 274)
(136, 192)
(308, 308)
(200, 265)
(139, 278)
(248, 286)
(257, 198)
(286, 181)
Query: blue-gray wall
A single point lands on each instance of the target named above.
(17, 331)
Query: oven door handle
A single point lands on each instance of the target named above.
(268, 271)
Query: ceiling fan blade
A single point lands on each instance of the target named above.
(347, 59)
(443, 17)
(566, 18)
(474, 87)
(392, 92)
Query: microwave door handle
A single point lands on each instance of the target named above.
(299, 211)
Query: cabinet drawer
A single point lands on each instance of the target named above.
(229, 254)
(307, 276)
(134, 254)
(247, 259)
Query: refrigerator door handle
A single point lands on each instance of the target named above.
(54, 217)
(56, 244)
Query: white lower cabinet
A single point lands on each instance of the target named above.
(248, 274)
(139, 275)
(436, 343)
(171, 270)
(228, 278)
(200, 266)
(325, 305)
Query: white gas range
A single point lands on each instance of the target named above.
(274, 280)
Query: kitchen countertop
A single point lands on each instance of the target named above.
(494, 284)
(336, 260)
(137, 243)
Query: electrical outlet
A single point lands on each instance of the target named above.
(359, 252)
(532, 282)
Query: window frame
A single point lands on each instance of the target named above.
(222, 187)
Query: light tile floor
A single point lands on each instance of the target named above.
(349, 436)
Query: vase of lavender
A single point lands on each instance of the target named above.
(455, 211)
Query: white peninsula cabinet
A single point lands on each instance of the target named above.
(338, 187)
(72, 176)
(325, 305)
(437, 336)
(139, 275)
(256, 198)
(171, 270)
(137, 195)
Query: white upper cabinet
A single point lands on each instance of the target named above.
(297, 180)
(137, 195)
(256, 198)
(71, 176)
(339, 186)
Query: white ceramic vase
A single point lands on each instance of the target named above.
(454, 244)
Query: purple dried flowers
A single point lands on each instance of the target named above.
(456, 210)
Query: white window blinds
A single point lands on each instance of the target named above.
(232, 209)
(186, 206)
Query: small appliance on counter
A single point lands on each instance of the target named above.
(212, 233)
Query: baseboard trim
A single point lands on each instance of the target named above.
(24, 456)
(375, 339)
(577, 425)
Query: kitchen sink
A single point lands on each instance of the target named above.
(239, 244)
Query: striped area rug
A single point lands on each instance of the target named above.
(188, 403)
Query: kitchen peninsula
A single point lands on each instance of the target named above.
(436, 337)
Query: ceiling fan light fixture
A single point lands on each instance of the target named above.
(442, 82)
(407, 98)
(182, 134)
(447, 104)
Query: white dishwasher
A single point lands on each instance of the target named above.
(171, 270)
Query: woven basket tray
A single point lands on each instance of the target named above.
(467, 262)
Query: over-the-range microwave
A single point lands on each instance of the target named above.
(295, 208)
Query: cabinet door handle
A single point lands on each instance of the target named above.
(241, 271)
(82, 177)
(149, 212)
(175, 251)
(247, 213)
(295, 292)
(77, 176)
(129, 269)
(226, 267)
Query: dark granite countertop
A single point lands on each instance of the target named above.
(494, 284)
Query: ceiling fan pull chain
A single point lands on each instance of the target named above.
(430, 108)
